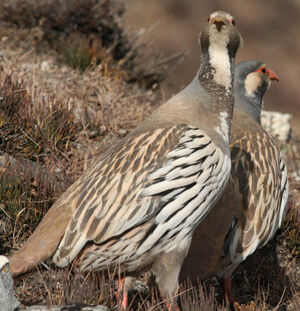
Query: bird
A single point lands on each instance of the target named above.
(137, 206)
(254, 202)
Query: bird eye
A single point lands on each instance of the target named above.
(263, 70)
(233, 22)
(208, 19)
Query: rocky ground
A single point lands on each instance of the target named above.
(66, 93)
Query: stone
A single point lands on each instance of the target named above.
(277, 124)
(8, 301)
(67, 308)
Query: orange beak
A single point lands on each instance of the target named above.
(272, 75)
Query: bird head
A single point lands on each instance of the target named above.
(220, 41)
(220, 31)
(252, 80)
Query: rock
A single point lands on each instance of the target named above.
(8, 301)
(277, 124)
(67, 308)
(45, 66)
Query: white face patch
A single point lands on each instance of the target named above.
(252, 82)
(223, 128)
(218, 13)
(219, 58)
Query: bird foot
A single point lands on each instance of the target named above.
(226, 292)
(172, 306)
(122, 294)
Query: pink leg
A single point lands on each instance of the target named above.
(121, 291)
(124, 304)
(172, 306)
(226, 291)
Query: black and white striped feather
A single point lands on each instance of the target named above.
(150, 207)
(261, 178)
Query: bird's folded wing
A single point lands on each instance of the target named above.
(166, 177)
(262, 181)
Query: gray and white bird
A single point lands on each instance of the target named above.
(138, 206)
(252, 207)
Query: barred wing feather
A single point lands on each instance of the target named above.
(284, 190)
(147, 196)
(262, 180)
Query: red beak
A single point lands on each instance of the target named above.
(272, 75)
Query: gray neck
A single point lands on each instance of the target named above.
(252, 105)
(246, 105)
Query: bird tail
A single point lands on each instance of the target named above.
(42, 244)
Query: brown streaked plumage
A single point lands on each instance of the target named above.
(252, 206)
(139, 204)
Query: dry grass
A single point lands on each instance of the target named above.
(82, 33)
(59, 123)
(56, 22)
(66, 287)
